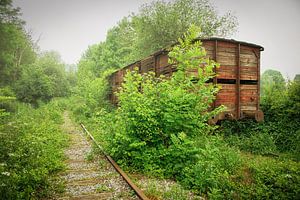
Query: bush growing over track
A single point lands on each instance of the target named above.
(31, 151)
(159, 116)
(158, 130)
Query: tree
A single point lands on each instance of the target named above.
(155, 26)
(160, 23)
(272, 86)
(297, 78)
(8, 14)
(44, 79)
(16, 47)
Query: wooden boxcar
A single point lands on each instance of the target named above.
(238, 75)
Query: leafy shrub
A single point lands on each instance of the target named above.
(266, 178)
(277, 179)
(257, 143)
(7, 100)
(158, 116)
(215, 163)
(31, 152)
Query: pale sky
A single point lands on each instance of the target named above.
(70, 26)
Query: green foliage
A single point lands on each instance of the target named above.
(157, 117)
(265, 178)
(7, 99)
(277, 179)
(16, 47)
(258, 143)
(297, 78)
(272, 87)
(43, 80)
(160, 23)
(216, 162)
(8, 14)
(31, 145)
(153, 27)
(33, 78)
(91, 94)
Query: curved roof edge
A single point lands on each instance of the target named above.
(232, 41)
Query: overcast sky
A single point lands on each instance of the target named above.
(70, 26)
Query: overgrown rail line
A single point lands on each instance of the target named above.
(138, 191)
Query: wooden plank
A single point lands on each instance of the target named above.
(226, 72)
(226, 98)
(228, 49)
(248, 87)
(249, 51)
(224, 75)
(147, 64)
(252, 77)
(247, 107)
(249, 92)
(227, 68)
(248, 60)
(248, 56)
(249, 99)
(249, 48)
(230, 55)
(162, 60)
(208, 44)
(226, 44)
(223, 60)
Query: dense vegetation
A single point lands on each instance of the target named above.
(31, 141)
(167, 136)
(31, 146)
(26, 73)
(164, 137)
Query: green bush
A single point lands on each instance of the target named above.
(158, 116)
(257, 143)
(31, 146)
(216, 162)
(265, 178)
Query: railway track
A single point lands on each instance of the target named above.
(93, 177)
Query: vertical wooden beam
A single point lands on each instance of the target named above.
(258, 78)
(140, 66)
(215, 69)
(156, 65)
(238, 80)
(258, 81)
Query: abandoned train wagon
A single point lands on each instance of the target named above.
(238, 75)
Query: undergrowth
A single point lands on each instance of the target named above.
(31, 146)
(160, 129)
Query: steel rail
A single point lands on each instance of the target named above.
(138, 191)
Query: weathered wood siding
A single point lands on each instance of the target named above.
(238, 74)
